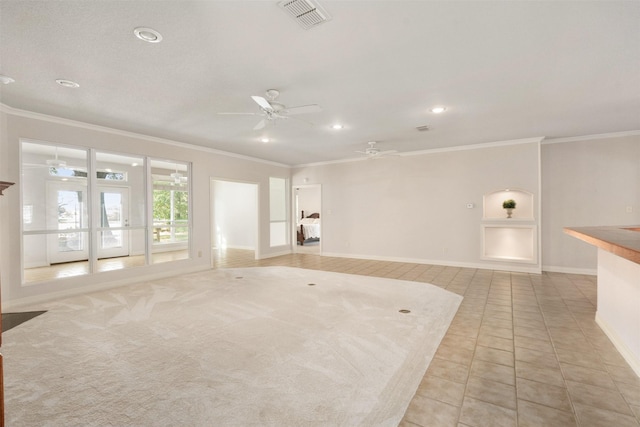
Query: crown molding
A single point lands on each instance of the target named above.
(74, 123)
(590, 137)
(436, 150)
(536, 140)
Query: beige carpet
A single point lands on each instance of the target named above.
(237, 347)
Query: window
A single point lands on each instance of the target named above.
(170, 208)
(107, 175)
(279, 235)
(76, 222)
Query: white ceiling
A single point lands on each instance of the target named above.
(505, 70)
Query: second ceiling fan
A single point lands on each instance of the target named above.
(272, 110)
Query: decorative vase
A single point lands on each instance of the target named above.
(509, 212)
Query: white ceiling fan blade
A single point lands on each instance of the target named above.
(300, 120)
(303, 109)
(263, 103)
(240, 114)
(261, 124)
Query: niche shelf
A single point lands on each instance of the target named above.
(509, 239)
(515, 243)
(492, 205)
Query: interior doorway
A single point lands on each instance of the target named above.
(234, 219)
(307, 205)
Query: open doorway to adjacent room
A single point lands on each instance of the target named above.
(234, 220)
(307, 203)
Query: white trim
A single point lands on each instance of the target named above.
(436, 150)
(483, 266)
(74, 123)
(85, 289)
(619, 344)
(244, 248)
(590, 137)
(331, 162)
(475, 146)
(570, 270)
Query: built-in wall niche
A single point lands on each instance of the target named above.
(493, 205)
(516, 243)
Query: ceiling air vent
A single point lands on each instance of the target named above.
(423, 128)
(307, 13)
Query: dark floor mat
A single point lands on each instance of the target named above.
(11, 320)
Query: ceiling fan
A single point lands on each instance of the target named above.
(372, 152)
(49, 163)
(272, 111)
(178, 178)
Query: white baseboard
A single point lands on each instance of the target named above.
(51, 296)
(483, 266)
(244, 248)
(570, 270)
(625, 352)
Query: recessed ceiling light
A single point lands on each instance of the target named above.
(5, 80)
(67, 83)
(337, 126)
(438, 110)
(148, 35)
(134, 164)
(265, 140)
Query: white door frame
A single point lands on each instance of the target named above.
(212, 235)
(294, 209)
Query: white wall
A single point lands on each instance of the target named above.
(206, 164)
(309, 200)
(235, 214)
(414, 207)
(586, 183)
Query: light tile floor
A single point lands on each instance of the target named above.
(79, 268)
(523, 349)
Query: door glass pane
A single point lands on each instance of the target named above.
(111, 216)
(122, 171)
(70, 209)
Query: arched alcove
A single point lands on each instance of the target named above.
(509, 236)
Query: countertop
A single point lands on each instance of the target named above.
(623, 240)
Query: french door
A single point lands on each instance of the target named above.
(67, 213)
(113, 233)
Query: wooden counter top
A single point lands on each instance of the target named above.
(623, 240)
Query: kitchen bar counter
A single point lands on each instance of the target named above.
(618, 308)
(623, 241)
